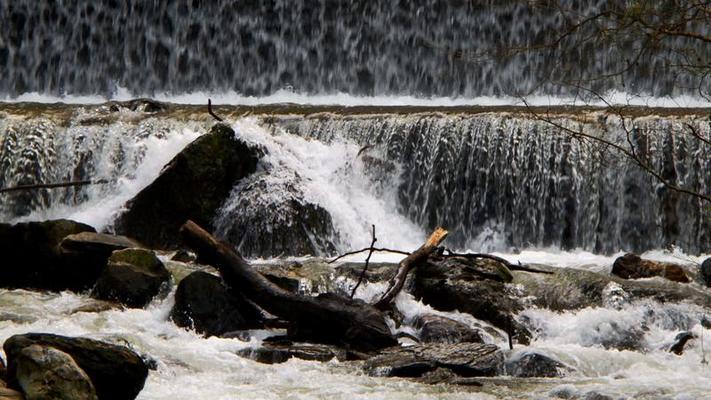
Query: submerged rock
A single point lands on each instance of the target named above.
(31, 257)
(45, 373)
(268, 216)
(534, 365)
(632, 266)
(192, 186)
(116, 372)
(276, 353)
(132, 277)
(9, 394)
(438, 329)
(463, 359)
(572, 289)
(680, 341)
(204, 303)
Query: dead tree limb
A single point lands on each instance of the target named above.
(327, 318)
(53, 185)
(409, 262)
(209, 110)
(375, 249)
(510, 266)
(365, 267)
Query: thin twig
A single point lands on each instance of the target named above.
(365, 267)
(510, 266)
(53, 185)
(209, 110)
(378, 249)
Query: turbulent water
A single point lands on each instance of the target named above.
(419, 48)
(498, 180)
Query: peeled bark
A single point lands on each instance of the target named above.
(408, 263)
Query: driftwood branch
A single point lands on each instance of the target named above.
(510, 266)
(53, 185)
(375, 249)
(365, 267)
(327, 318)
(409, 262)
(209, 110)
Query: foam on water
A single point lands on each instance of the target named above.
(284, 96)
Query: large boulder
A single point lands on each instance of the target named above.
(474, 286)
(268, 216)
(116, 372)
(204, 303)
(132, 277)
(632, 266)
(45, 373)
(192, 186)
(463, 359)
(31, 257)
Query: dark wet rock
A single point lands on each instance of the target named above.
(446, 376)
(706, 271)
(616, 336)
(534, 365)
(680, 341)
(284, 282)
(261, 224)
(116, 372)
(204, 303)
(192, 186)
(98, 245)
(595, 396)
(47, 373)
(132, 277)
(463, 359)
(438, 329)
(632, 266)
(276, 353)
(31, 257)
(2, 370)
(471, 286)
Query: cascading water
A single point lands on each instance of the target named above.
(423, 48)
(120, 146)
(499, 180)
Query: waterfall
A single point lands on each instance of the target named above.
(126, 148)
(497, 180)
(422, 48)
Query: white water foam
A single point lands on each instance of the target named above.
(289, 97)
(333, 177)
(105, 203)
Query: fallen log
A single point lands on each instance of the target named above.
(409, 262)
(328, 318)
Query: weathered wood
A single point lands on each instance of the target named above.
(53, 185)
(327, 318)
(409, 262)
